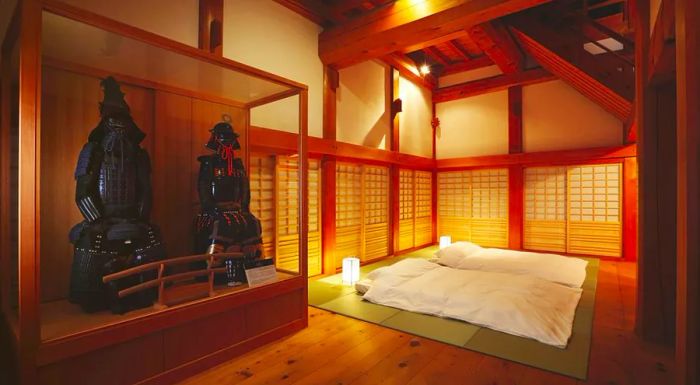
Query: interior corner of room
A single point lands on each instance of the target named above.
(371, 133)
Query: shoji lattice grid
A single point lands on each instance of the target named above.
(287, 214)
(454, 204)
(423, 226)
(406, 209)
(314, 235)
(489, 223)
(348, 206)
(376, 212)
(262, 198)
(595, 195)
(545, 209)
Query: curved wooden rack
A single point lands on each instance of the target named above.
(161, 279)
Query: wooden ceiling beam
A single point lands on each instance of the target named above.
(495, 40)
(437, 55)
(408, 69)
(492, 84)
(457, 47)
(476, 63)
(313, 10)
(407, 23)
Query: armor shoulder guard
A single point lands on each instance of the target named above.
(86, 155)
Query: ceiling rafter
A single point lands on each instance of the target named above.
(457, 47)
(495, 40)
(479, 62)
(408, 69)
(437, 55)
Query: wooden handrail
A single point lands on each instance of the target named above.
(157, 281)
(167, 262)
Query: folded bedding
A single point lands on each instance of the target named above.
(518, 304)
(552, 267)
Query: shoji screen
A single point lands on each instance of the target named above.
(454, 204)
(348, 211)
(274, 201)
(545, 209)
(595, 215)
(473, 205)
(415, 209)
(490, 207)
(375, 186)
(406, 209)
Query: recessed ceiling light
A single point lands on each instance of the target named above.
(425, 69)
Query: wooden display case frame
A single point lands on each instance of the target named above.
(181, 340)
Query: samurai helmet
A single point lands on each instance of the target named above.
(113, 103)
(222, 135)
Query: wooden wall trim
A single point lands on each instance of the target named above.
(515, 119)
(516, 196)
(590, 155)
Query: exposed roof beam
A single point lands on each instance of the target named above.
(492, 84)
(408, 23)
(479, 62)
(459, 49)
(313, 10)
(496, 42)
(437, 55)
(408, 69)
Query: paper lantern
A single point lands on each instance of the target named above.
(445, 240)
(351, 270)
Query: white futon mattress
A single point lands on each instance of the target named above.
(522, 305)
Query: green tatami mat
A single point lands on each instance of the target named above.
(330, 294)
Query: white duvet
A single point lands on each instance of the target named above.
(522, 305)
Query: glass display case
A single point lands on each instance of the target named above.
(171, 209)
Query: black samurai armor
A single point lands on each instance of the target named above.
(113, 193)
(225, 223)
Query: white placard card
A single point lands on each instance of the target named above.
(261, 275)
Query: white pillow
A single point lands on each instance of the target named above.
(453, 254)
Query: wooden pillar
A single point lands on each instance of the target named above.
(211, 26)
(516, 179)
(394, 170)
(434, 187)
(629, 209)
(656, 250)
(328, 165)
(688, 204)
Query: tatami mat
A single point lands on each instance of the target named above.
(330, 294)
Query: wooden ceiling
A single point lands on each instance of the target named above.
(329, 13)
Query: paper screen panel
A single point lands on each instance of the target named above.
(489, 223)
(594, 210)
(314, 234)
(545, 209)
(406, 209)
(348, 206)
(375, 212)
(454, 204)
(262, 198)
(423, 231)
(287, 214)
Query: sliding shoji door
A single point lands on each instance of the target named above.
(415, 209)
(406, 209)
(455, 204)
(545, 209)
(595, 214)
(348, 211)
(489, 223)
(473, 206)
(274, 189)
(375, 195)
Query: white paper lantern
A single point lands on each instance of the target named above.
(351, 270)
(445, 240)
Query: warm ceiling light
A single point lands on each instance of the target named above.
(424, 69)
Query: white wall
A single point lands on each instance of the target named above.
(468, 76)
(361, 103)
(268, 36)
(557, 117)
(473, 126)
(415, 131)
(176, 20)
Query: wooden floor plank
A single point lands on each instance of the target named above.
(337, 350)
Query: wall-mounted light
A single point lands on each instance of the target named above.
(396, 107)
(351, 270)
(445, 241)
(424, 69)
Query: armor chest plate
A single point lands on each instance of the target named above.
(118, 178)
(225, 187)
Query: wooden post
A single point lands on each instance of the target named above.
(688, 204)
(394, 170)
(328, 165)
(434, 185)
(629, 209)
(516, 179)
(211, 26)
(304, 196)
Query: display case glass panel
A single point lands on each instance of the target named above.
(206, 200)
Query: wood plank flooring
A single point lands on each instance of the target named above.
(337, 350)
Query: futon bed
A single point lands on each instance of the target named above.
(526, 294)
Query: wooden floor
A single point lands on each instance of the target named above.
(336, 350)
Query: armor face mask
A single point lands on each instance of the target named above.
(224, 140)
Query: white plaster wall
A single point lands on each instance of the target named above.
(268, 36)
(361, 103)
(473, 126)
(415, 131)
(177, 20)
(557, 117)
(468, 76)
